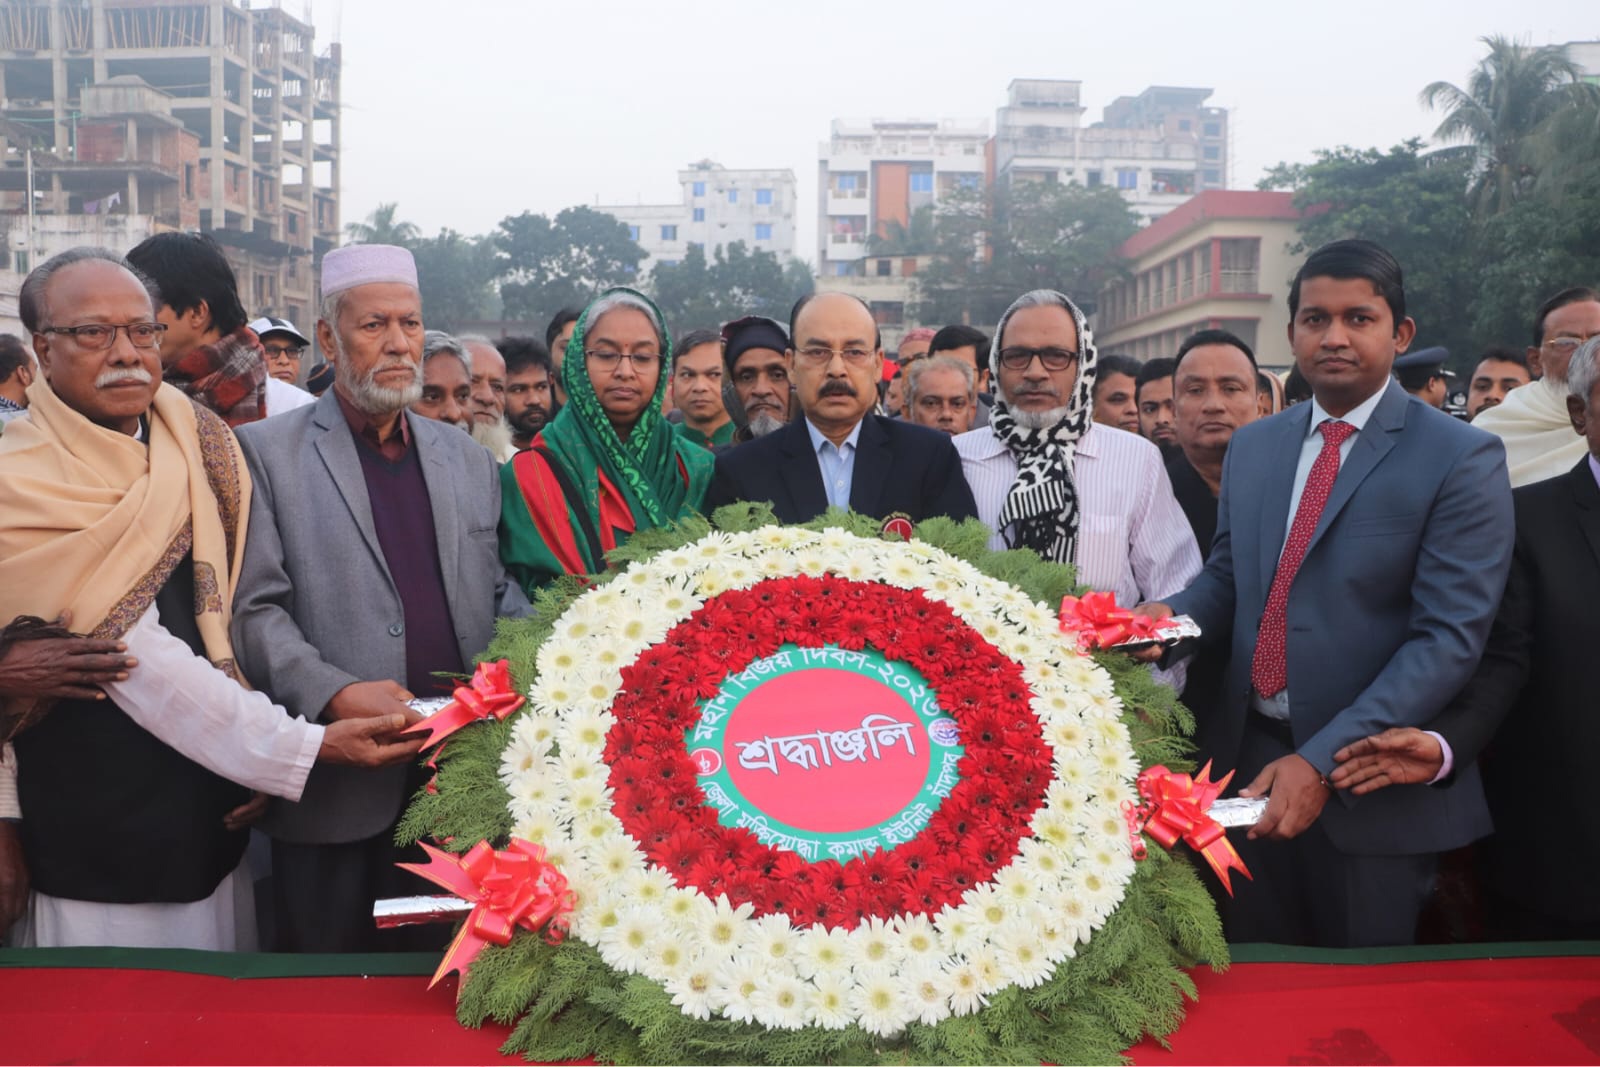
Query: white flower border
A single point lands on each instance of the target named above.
(714, 958)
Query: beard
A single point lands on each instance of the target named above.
(764, 424)
(1038, 420)
(530, 422)
(495, 436)
(365, 392)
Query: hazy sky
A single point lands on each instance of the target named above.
(468, 111)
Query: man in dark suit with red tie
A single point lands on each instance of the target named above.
(1362, 546)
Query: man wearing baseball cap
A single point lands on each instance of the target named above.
(283, 346)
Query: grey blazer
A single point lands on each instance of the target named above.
(1388, 614)
(317, 608)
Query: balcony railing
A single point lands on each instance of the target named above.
(1238, 281)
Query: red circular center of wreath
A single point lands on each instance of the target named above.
(976, 829)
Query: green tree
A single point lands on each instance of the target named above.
(900, 239)
(382, 228)
(544, 265)
(734, 282)
(1411, 204)
(992, 247)
(1504, 112)
(456, 275)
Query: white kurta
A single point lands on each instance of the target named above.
(240, 735)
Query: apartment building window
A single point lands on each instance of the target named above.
(922, 181)
(1213, 177)
(669, 233)
(699, 188)
(847, 183)
(843, 270)
(885, 268)
(763, 231)
(701, 245)
(699, 214)
(1127, 178)
(763, 196)
(633, 233)
(1212, 129)
(733, 196)
(1184, 125)
(968, 181)
(188, 181)
(1093, 178)
(1211, 151)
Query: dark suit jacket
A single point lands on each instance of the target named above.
(1390, 609)
(899, 467)
(1545, 851)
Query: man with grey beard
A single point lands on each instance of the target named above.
(372, 571)
(757, 389)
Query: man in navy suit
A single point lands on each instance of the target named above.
(1362, 547)
(841, 454)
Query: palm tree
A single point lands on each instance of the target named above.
(382, 229)
(1505, 113)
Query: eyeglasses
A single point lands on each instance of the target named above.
(819, 356)
(283, 351)
(642, 361)
(98, 336)
(1566, 345)
(1052, 358)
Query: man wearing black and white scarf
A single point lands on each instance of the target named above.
(1046, 477)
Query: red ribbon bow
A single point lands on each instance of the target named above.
(489, 694)
(1175, 808)
(1099, 623)
(512, 888)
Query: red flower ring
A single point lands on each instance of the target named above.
(974, 831)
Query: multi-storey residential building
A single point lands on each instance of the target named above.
(1586, 56)
(1158, 148)
(717, 207)
(127, 117)
(873, 175)
(1221, 260)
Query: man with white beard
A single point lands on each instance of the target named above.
(1533, 420)
(488, 407)
(372, 572)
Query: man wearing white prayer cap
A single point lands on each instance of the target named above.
(373, 569)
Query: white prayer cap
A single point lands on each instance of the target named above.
(353, 265)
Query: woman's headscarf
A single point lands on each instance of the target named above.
(1043, 501)
(646, 467)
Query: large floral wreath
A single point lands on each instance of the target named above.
(999, 918)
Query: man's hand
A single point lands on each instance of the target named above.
(63, 667)
(247, 813)
(1404, 755)
(367, 700)
(368, 742)
(1151, 653)
(1295, 796)
(13, 876)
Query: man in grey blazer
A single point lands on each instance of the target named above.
(372, 568)
(1362, 547)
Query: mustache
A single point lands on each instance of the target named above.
(836, 387)
(1036, 389)
(393, 364)
(118, 375)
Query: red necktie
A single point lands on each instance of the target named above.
(1269, 671)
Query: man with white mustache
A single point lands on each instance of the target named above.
(373, 571)
(1047, 478)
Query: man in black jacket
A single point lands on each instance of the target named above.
(840, 454)
(1543, 861)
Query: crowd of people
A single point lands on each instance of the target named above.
(226, 575)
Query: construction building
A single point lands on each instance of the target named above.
(124, 118)
(716, 207)
(1220, 261)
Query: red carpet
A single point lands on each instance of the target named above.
(1516, 1010)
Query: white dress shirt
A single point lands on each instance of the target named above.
(837, 463)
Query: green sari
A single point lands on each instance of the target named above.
(582, 490)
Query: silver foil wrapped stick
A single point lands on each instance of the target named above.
(414, 911)
(1182, 628)
(426, 706)
(1238, 811)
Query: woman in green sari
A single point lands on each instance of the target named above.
(608, 464)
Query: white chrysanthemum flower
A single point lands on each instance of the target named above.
(1066, 735)
(1101, 894)
(712, 546)
(626, 946)
(680, 604)
(823, 951)
(1022, 958)
(735, 982)
(960, 931)
(1079, 671)
(990, 971)
(875, 943)
(857, 566)
(684, 906)
(780, 1001)
(1042, 865)
(880, 1002)
(828, 1004)
(599, 687)
(1051, 826)
(929, 988)
(554, 692)
(561, 854)
(540, 824)
(772, 536)
(1058, 940)
(523, 753)
(586, 729)
(899, 570)
(1019, 883)
(964, 603)
(598, 829)
(713, 580)
(966, 996)
(676, 561)
(741, 574)
(593, 917)
(985, 906)
(588, 796)
(917, 936)
(809, 560)
(613, 859)
(771, 564)
(721, 927)
(668, 956)
(774, 939)
(649, 886)
(692, 990)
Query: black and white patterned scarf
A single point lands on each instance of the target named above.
(1043, 501)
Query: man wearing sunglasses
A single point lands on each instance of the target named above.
(840, 454)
